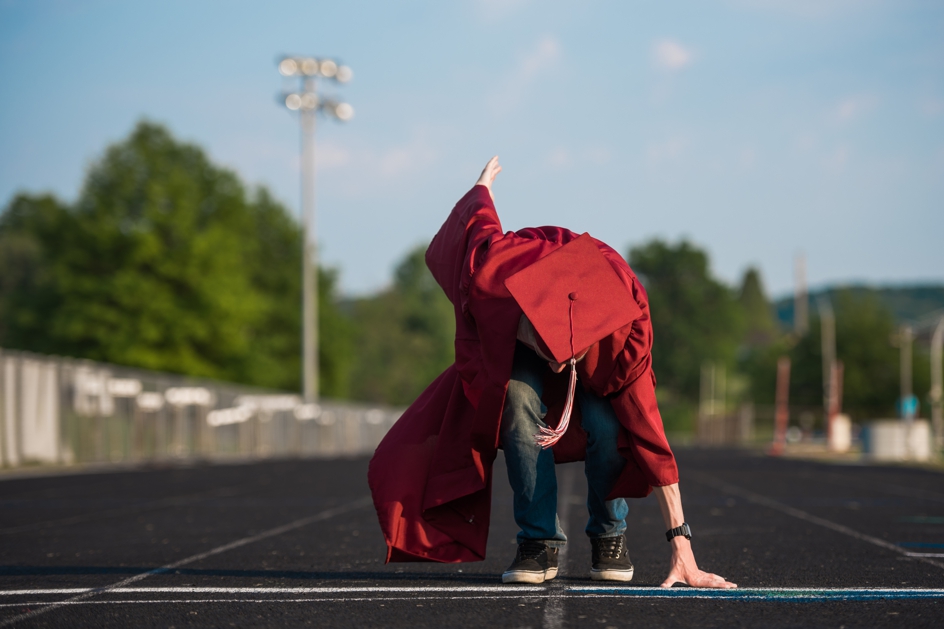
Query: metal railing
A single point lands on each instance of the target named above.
(67, 411)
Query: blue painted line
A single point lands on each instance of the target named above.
(774, 595)
(919, 545)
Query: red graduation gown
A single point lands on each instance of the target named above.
(431, 475)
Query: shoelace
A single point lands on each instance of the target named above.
(531, 550)
(611, 547)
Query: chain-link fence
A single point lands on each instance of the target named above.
(65, 411)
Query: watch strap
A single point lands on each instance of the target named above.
(679, 530)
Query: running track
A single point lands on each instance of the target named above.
(295, 543)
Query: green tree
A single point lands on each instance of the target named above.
(865, 329)
(695, 317)
(760, 329)
(336, 338)
(29, 227)
(405, 335)
(164, 262)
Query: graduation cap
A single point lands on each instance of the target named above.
(573, 298)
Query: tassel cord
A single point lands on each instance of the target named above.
(547, 437)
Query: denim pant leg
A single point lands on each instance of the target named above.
(530, 468)
(603, 466)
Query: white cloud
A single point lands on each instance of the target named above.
(666, 150)
(412, 158)
(854, 107)
(543, 56)
(559, 158)
(597, 155)
(329, 155)
(350, 167)
(806, 141)
(538, 60)
(670, 55)
(836, 161)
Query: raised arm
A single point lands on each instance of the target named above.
(683, 568)
(487, 178)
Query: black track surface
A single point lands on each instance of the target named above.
(97, 530)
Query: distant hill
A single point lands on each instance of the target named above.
(907, 303)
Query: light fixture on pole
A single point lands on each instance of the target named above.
(307, 103)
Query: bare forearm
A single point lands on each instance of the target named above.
(683, 568)
(670, 503)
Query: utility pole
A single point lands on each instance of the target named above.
(827, 329)
(801, 316)
(937, 387)
(307, 103)
(782, 414)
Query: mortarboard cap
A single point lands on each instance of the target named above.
(577, 276)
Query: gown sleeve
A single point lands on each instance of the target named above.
(461, 243)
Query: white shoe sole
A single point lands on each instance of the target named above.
(529, 577)
(611, 575)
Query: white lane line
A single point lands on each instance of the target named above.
(781, 595)
(924, 554)
(277, 590)
(324, 515)
(758, 499)
(554, 608)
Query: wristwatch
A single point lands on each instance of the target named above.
(679, 530)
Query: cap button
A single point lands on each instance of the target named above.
(573, 296)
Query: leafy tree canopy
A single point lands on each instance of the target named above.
(404, 335)
(165, 262)
(695, 317)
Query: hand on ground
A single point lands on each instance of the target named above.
(487, 177)
(685, 570)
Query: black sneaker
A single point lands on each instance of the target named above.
(610, 559)
(535, 562)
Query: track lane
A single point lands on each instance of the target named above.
(748, 543)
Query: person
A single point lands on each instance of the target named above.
(538, 312)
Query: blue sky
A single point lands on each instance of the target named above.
(758, 129)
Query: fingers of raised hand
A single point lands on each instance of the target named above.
(492, 166)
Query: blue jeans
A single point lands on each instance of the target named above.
(531, 469)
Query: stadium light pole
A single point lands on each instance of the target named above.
(307, 103)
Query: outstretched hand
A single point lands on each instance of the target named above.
(487, 177)
(685, 570)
